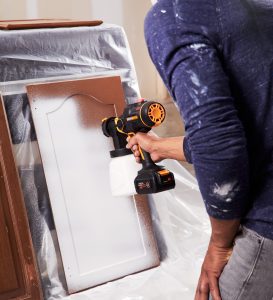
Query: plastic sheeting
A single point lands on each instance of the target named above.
(35, 193)
(180, 221)
(182, 230)
(44, 53)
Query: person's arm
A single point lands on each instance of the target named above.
(218, 253)
(185, 45)
(186, 54)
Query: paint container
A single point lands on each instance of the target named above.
(123, 171)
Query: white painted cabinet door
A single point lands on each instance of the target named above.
(101, 237)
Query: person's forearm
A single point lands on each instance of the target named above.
(224, 232)
(171, 148)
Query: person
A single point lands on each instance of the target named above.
(216, 59)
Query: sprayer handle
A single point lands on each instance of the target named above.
(146, 159)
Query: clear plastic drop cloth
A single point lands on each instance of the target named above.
(46, 53)
(182, 230)
(180, 222)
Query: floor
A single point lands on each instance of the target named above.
(172, 126)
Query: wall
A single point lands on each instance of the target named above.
(128, 13)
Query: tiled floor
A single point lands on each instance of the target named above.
(172, 126)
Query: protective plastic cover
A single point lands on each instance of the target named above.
(179, 218)
(43, 53)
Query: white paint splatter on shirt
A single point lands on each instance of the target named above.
(197, 46)
(226, 191)
(195, 80)
(214, 206)
(204, 90)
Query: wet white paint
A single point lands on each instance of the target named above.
(101, 237)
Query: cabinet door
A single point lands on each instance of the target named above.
(101, 237)
(18, 272)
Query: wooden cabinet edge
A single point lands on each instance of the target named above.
(30, 286)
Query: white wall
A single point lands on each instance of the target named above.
(128, 13)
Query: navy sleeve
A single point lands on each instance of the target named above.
(186, 150)
(183, 41)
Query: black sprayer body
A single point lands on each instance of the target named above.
(140, 117)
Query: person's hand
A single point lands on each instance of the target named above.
(214, 263)
(159, 148)
(148, 142)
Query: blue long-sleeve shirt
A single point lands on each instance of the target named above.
(216, 59)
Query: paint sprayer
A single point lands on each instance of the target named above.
(126, 176)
